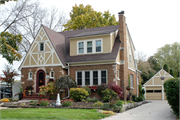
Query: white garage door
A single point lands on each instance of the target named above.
(154, 93)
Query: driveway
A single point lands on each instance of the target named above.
(156, 110)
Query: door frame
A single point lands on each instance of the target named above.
(37, 80)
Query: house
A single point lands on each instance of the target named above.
(90, 56)
(154, 89)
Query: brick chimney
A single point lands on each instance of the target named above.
(123, 54)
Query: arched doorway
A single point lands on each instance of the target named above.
(40, 80)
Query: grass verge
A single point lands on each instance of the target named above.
(50, 113)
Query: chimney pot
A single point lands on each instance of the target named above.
(121, 13)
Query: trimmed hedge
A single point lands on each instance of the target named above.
(78, 94)
(171, 88)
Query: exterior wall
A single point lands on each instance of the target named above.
(58, 72)
(109, 67)
(106, 43)
(134, 89)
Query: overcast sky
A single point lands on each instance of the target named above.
(152, 23)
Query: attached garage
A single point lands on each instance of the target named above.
(154, 89)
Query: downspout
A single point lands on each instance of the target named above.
(68, 69)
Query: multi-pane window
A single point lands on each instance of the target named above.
(89, 47)
(52, 74)
(117, 74)
(87, 78)
(132, 81)
(98, 46)
(91, 77)
(81, 47)
(41, 47)
(95, 77)
(103, 77)
(79, 78)
(30, 76)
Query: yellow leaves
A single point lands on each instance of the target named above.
(4, 100)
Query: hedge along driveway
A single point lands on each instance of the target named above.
(51, 113)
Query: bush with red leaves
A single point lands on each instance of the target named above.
(67, 102)
(44, 102)
(44, 99)
(116, 88)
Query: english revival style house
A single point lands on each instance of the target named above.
(90, 56)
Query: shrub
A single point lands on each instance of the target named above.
(106, 106)
(171, 88)
(49, 88)
(98, 104)
(119, 103)
(23, 104)
(101, 88)
(88, 89)
(94, 99)
(116, 88)
(134, 98)
(78, 94)
(4, 100)
(67, 102)
(44, 102)
(108, 94)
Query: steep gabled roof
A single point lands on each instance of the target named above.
(58, 43)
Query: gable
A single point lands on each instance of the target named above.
(35, 57)
(156, 79)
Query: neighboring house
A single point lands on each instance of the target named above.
(154, 89)
(90, 56)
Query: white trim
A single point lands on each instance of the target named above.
(51, 73)
(41, 65)
(117, 74)
(131, 69)
(152, 85)
(93, 46)
(30, 78)
(93, 64)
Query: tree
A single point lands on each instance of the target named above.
(171, 72)
(154, 64)
(65, 82)
(3, 1)
(25, 17)
(83, 17)
(9, 75)
(165, 67)
(145, 67)
(170, 55)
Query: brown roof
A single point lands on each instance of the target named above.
(61, 43)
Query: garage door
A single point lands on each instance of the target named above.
(154, 93)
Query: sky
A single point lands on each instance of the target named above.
(151, 23)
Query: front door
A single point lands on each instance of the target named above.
(40, 80)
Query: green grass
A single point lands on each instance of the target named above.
(50, 113)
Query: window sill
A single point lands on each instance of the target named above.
(132, 88)
(118, 79)
(52, 78)
(29, 79)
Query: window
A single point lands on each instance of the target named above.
(118, 74)
(157, 91)
(81, 47)
(91, 77)
(129, 54)
(30, 76)
(79, 78)
(95, 77)
(131, 81)
(87, 78)
(51, 74)
(41, 47)
(103, 77)
(89, 46)
(149, 91)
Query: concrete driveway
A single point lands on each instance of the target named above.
(156, 110)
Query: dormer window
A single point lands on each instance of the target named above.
(89, 46)
(81, 47)
(41, 46)
(98, 46)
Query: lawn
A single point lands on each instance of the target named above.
(50, 113)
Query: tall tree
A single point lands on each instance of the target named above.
(25, 17)
(154, 64)
(165, 67)
(83, 17)
(144, 66)
(170, 55)
(171, 72)
(3, 1)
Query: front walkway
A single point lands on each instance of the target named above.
(156, 110)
